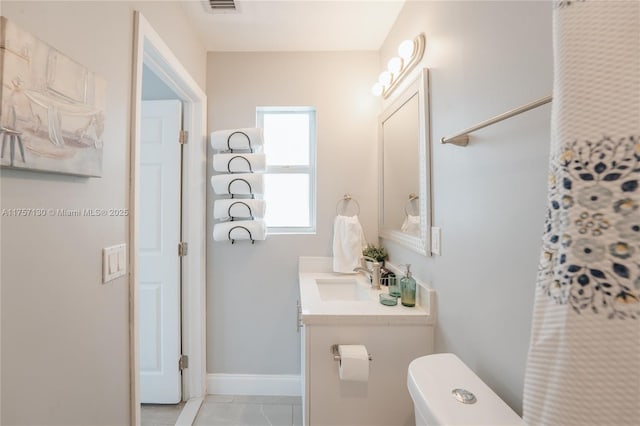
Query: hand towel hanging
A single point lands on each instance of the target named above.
(348, 242)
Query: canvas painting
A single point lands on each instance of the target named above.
(52, 111)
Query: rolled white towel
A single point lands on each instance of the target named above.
(239, 163)
(239, 183)
(255, 230)
(237, 139)
(225, 209)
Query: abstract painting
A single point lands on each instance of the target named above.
(52, 110)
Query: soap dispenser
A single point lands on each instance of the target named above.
(408, 288)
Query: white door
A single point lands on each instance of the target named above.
(159, 264)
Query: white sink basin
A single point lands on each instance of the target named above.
(335, 289)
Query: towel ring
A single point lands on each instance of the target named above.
(346, 199)
(239, 133)
(244, 204)
(240, 227)
(412, 197)
(239, 156)
(241, 180)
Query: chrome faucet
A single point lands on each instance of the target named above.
(373, 274)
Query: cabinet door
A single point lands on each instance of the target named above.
(382, 400)
(304, 364)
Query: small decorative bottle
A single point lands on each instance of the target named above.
(408, 289)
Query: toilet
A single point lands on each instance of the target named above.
(446, 392)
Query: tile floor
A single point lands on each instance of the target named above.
(226, 410)
(160, 414)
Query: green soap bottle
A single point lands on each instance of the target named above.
(408, 289)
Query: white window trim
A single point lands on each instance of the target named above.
(310, 169)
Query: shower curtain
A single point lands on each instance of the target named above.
(583, 366)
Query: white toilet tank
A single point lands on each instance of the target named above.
(431, 382)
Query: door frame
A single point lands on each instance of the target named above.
(149, 49)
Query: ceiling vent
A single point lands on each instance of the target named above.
(220, 6)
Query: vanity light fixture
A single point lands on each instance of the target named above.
(409, 54)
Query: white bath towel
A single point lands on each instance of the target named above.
(237, 139)
(239, 163)
(240, 230)
(225, 209)
(348, 242)
(240, 184)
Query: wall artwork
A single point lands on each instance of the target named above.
(52, 111)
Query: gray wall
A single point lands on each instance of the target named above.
(489, 198)
(65, 335)
(252, 289)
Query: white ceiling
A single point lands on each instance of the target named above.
(295, 25)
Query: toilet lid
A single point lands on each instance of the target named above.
(431, 382)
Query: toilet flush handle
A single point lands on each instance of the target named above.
(464, 396)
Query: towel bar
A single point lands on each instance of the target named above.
(336, 353)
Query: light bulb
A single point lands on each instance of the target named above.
(385, 78)
(405, 50)
(377, 89)
(394, 65)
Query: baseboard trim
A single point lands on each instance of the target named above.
(189, 412)
(254, 384)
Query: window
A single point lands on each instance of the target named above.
(289, 146)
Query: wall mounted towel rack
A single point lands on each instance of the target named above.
(241, 158)
(240, 227)
(250, 148)
(239, 180)
(345, 199)
(462, 138)
(250, 215)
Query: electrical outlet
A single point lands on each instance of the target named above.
(436, 241)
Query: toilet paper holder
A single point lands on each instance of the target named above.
(336, 353)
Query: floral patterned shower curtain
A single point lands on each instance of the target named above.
(584, 359)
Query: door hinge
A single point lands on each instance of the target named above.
(183, 362)
(184, 137)
(183, 249)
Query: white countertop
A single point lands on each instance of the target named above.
(318, 311)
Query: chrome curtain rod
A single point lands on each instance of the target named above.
(462, 138)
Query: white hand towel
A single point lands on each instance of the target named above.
(237, 139)
(240, 184)
(225, 209)
(411, 225)
(240, 230)
(239, 163)
(348, 242)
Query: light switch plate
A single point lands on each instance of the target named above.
(436, 241)
(114, 263)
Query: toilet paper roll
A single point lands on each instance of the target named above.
(354, 363)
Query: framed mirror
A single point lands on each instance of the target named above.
(404, 168)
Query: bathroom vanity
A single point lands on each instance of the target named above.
(342, 309)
